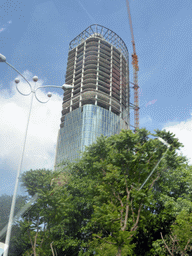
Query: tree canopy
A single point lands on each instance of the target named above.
(95, 206)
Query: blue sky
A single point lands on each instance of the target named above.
(35, 36)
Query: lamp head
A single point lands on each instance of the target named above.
(66, 86)
(2, 58)
(163, 141)
(49, 94)
(17, 80)
(35, 78)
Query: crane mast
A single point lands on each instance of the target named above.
(135, 72)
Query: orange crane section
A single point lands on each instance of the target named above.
(135, 72)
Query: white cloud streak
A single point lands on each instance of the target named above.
(183, 131)
(89, 15)
(42, 133)
(4, 27)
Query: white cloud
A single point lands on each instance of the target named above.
(144, 77)
(2, 29)
(42, 132)
(146, 119)
(183, 131)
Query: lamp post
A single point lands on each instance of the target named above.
(168, 146)
(33, 91)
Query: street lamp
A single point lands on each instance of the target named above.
(32, 92)
(168, 146)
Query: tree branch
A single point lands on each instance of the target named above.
(118, 198)
(158, 175)
(187, 245)
(137, 220)
(132, 234)
(149, 159)
(105, 240)
(127, 207)
(132, 211)
(166, 244)
(35, 241)
(31, 241)
(41, 242)
(126, 218)
(52, 248)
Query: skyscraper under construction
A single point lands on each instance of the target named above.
(98, 68)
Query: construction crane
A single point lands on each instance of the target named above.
(135, 73)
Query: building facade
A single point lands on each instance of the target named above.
(98, 104)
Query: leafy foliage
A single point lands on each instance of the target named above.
(105, 184)
(95, 206)
(34, 226)
(5, 206)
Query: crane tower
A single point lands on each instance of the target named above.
(135, 73)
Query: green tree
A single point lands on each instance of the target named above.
(5, 206)
(105, 212)
(172, 195)
(34, 225)
(96, 206)
(179, 241)
(173, 184)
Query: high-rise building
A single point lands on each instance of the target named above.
(98, 68)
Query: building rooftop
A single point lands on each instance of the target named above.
(104, 33)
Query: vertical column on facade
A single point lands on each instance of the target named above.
(97, 77)
(127, 95)
(73, 81)
(111, 77)
(82, 74)
(121, 87)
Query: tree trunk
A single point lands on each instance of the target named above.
(119, 252)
